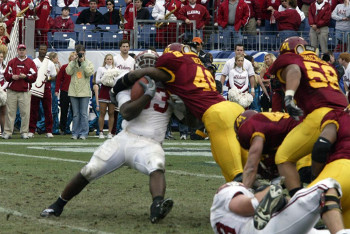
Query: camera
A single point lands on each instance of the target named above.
(80, 55)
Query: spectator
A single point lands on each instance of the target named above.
(129, 15)
(68, 3)
(288, 21)
(94, 103)
(141, 12)
(265, 101)
(319, 19)
(46, 100)
(204, 57)
(270, 20)
(254, 18)
(62, 85)
(91, 15)
(283, 7)
(329, 57)
(344, 60)
(63, 23)
(42, 26)
(194, 12)
(233, 15)
(20, 72)
(3, 86)
(86, 3)
(341, 14)
(166, 33)
(80, 69)
(8, 7)
(53, 56)
(112, 15)
(4, 36)
(103, 97)
(247, 65)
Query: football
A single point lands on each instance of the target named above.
(137, 90)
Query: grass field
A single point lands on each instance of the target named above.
(34, 172)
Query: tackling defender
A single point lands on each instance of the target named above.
(137, 146)
(314, 85)
(184, 75)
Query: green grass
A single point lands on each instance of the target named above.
(117, 203)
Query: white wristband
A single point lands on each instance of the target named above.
(290, 93)
(254, 202)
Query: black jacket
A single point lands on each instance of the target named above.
(84, 18)
(114, 15)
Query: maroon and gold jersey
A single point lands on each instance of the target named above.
(341, 148)
(272, 126)
(319, 81)
(190, 81)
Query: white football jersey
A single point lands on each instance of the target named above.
(51, 70)
(221, 218)
(152, 122)
(122, 64)
(239, 77)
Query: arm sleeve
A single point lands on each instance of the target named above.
(335, 16)
(99, 75)
(70, 69)
(59, 80)
(88, 68)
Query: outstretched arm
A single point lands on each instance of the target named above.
(251, 167)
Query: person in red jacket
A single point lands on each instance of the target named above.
(234, 20)
(319, 19)
(129, 14)
(196, 12)
(8, 13)
(62, 85)
(270, 21)
(42, 26)
(63, 23)
(20, 72)
(288, 21)
(254, 18)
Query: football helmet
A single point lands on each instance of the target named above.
(177, 47)
(244, 117)
(293, 45)
(147, 58)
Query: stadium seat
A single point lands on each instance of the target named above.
(89, 39)
(146, 36)
(217, 39)
(250, 42)
(110, 40)
(61, 39)
(81, 28)
(103, 10)
(74, 18)
(118, 3)
(268, 42)
(80, 9)
(109, 27)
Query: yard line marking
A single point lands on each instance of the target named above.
(50, 222)
(177, 172)
(99, 143)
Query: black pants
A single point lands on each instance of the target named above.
(64, 104)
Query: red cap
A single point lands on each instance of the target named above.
(21, 46)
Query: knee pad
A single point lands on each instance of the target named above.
(321, 150)
(94, 170)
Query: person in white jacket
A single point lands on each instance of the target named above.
(341, 14)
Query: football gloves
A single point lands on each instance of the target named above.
(150, 88)
(122, 84)
(293, 110)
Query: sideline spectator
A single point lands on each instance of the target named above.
(103, 97)
(20, 72)
(68, 3)
(329, 57)
(46, 100)
(196, 12)
(233, 15)
(238, 76)
(90, 15)
(166, 33)
(3, 86)
(42, 26)
(341, 14)
(86, 3)
(4, 36)
(288, 21)
(63, 23)
(270, 20)
(112, 15)
(204, 57)
(62, 85)
(254, 18)
(53, 56)
(344, 60)
(247, 65)
(80, 70)
(319, 19)
(266, 77)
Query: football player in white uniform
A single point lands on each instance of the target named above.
(236, 209)
(137, 146)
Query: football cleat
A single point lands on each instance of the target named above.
(272, 202)
(159, 209)
(52, 210)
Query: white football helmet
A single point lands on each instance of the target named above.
(147, 58)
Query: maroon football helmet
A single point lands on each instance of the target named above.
(177, 47)
(147, 58)
(244, 117)
(293, 45)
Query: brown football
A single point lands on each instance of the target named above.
(137, 90)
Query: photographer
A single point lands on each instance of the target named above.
(80, 70)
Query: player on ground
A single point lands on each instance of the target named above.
(261, 134)
(331, 155)
(184, 75)
(313, 83)
(137, 146)
(234, 207)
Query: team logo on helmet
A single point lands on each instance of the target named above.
(177, 47)
(147, 58)
(242, 118)
(293, 45)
